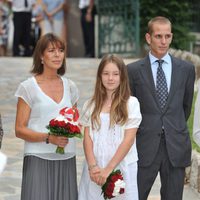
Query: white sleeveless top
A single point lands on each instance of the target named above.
(43, 109)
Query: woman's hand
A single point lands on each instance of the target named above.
(58, 140)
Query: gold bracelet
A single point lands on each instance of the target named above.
(90, 167)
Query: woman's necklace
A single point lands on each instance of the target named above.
(43, 78)
(48, 79)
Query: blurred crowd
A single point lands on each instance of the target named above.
(34, 18)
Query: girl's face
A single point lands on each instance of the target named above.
(110, 77)
(53, 57)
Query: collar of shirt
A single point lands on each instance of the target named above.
(19, 6)
(167, 67)
(166, 58)
(84, 3)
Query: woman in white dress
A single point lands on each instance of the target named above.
(110, 121)
(46, 175)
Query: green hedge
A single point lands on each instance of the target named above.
(180, 15)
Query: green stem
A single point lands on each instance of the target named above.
(60, 150)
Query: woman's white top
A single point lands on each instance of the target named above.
(43, 109)
(196, 123)
(3, 160)
(107, 140)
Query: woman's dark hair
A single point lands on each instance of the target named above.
(41, 45)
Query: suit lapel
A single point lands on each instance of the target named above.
(174, 81)
(147, 75)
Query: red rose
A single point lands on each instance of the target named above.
(56, 123)
(121, 190)
(109, 189)
(119, 176)
(77, 129)
(114, 178)
(72, 128)
(61, 124)
(52, 123)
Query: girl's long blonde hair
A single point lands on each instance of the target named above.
(118, 111)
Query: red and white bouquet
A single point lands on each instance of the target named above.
(114, 185)
(65, 124)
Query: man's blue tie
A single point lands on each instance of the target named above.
(161, 85)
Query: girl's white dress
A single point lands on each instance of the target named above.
(105, 143)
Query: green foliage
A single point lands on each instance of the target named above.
(178, 13)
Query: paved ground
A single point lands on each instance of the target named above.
(12, 72)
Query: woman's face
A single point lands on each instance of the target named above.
(110, 77)
(53, 57)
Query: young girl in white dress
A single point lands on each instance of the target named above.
(110, 119)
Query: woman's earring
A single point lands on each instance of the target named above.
(42, 61)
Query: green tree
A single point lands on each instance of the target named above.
(179, 13)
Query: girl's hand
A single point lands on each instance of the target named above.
(94, 174)
(103, 175)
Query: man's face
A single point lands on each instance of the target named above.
(160, 39)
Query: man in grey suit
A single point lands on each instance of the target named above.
(164, 86)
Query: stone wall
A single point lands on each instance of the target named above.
(193, 173)
(185, 55)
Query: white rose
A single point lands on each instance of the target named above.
(118, 185)
(69, 116)
(60, 118)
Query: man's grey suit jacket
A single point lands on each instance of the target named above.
(174, 116)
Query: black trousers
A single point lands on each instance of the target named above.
(22, 29)
(172, 178)
(88, 32)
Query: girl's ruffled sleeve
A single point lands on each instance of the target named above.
(134, 114)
